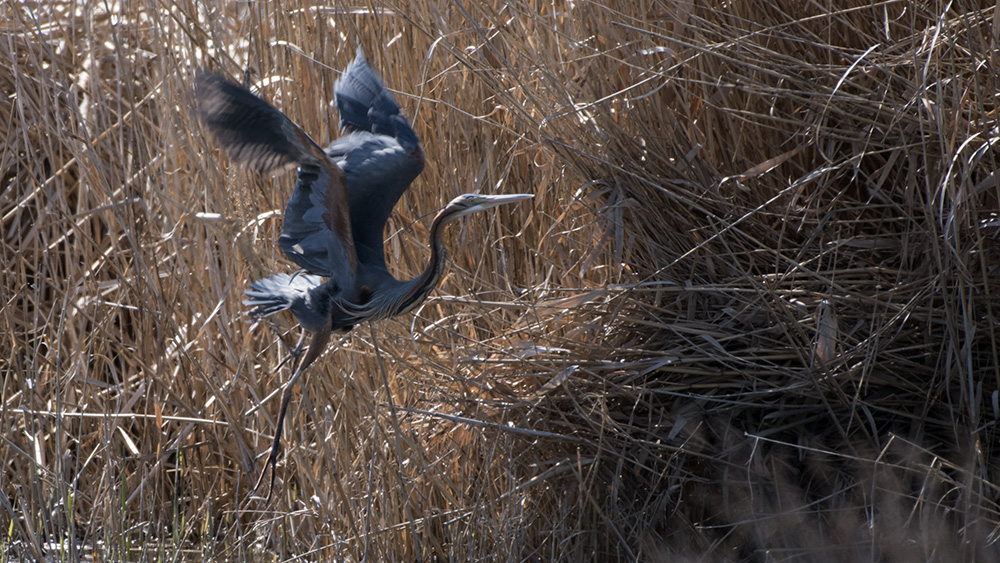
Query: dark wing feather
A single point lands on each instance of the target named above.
(308, 237)
(252, 132)
(381, 157)
(378, 171)
(317, 227)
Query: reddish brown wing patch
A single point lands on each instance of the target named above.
(337, 214)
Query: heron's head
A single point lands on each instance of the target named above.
(470, 203)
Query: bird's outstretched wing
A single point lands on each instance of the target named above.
(381, 155)
(317, 229)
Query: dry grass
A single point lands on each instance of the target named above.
(748, 317)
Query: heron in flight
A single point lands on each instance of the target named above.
(335, 218)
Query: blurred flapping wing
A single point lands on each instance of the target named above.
(317, 228)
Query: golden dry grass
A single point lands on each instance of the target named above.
(749, 315)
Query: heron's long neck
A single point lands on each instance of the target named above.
(428, 279)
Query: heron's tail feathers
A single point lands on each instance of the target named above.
(366, 105)
(278, 293)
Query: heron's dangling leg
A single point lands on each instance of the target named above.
(298, 347)
(316, 348)
(293, 353)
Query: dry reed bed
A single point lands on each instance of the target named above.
(749, 311)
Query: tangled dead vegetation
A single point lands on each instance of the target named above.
(749, 315)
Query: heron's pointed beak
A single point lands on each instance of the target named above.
(489, 201)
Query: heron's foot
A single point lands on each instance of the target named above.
(270, 466)
(293, 353)
(297, 351)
